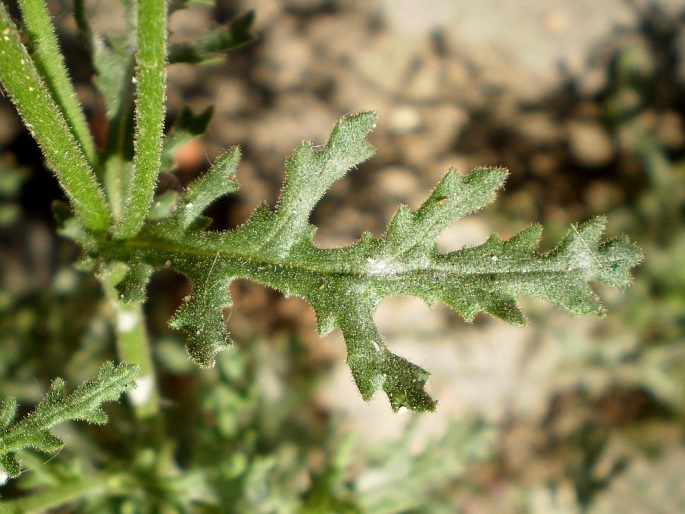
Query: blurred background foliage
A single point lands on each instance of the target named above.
(255, 433)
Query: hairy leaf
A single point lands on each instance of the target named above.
(85, 403)
(50, 63)
(346, 285)
(151, 16)
(44, 118)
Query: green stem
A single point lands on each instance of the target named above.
(133, 346)
(50, 62)
(149, 116)
(91, 485)
(45, 121)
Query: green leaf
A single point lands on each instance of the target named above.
(129, 281)
(50, 62)
(201, 315)
(346, 285)
(218, 181)
(44, 118)
(149, 116)
(309, 174)
(8, 409)
(114, 64)
(164, 205)
(236, 33)
(187, 127)
(57, 407)
(10, 465)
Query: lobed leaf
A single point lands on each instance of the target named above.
(310, 173)
(218, 181)
(85, 403)
(346, 285)
(201, 315)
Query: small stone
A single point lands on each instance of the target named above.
(399, 183)
(589, 143)
(405, 120)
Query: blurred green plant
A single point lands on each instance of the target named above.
(11, 180)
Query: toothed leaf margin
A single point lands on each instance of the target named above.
(346, 285)
(84, 404)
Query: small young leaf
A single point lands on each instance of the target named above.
(8, 409)
(236, 34)
(218, 181)
(115, 65)
(187, 127)
(164, 205)
(132, 286)
(9, 463)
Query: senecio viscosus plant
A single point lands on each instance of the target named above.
(126, 232)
